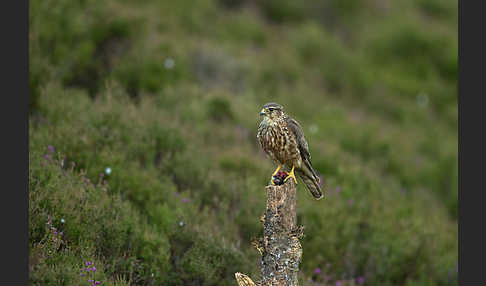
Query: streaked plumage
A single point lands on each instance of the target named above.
(282, 138)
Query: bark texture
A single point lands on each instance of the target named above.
(280, 246)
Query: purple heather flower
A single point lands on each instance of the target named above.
(47, 156)
(360, 280)
(317, 270)
(94, 268)
(339, 283)
(73, 164)
(51, 148)
(90, 280)
(97, 283)
(87, 263)
(102, 175)
(185, 200)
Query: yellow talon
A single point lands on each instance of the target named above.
(276, 171)
(291, 175)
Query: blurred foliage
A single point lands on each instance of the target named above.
(143, 153)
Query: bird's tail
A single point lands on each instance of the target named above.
(311, 180)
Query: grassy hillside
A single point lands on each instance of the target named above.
(144, 160)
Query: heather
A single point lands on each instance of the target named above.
(143, 160)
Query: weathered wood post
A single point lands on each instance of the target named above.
(280, 246)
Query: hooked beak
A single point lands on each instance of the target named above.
(262, 112)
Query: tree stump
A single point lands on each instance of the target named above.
(280, 246)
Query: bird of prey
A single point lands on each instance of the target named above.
(282, 138)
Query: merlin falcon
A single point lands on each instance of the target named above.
(282, 138)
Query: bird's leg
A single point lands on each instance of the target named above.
(274, 173)
(291, 175)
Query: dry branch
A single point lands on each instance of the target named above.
(280, 246)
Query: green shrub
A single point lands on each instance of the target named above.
(219, 109)
(78, 47)
(283, 11)
(232, 4)
(148, 75)
(418, 51)
(201, 262)
(167, 182)
(341, 70)
(439, 9)
(90, 223)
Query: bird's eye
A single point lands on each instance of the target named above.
(270, 109)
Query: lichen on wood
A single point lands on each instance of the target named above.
(243, 280)
(280, 246)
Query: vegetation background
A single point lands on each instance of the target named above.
(144, 165)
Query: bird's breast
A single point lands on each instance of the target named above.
(278, 142)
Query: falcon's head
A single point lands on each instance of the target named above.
(272, 111)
